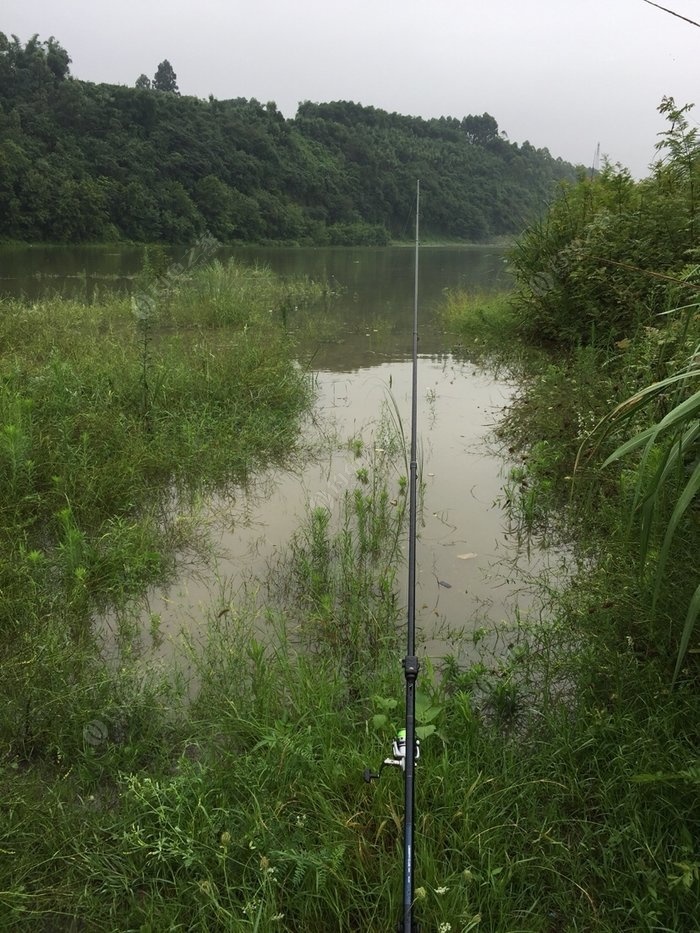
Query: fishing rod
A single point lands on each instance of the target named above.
(406, 747)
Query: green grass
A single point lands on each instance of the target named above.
(110, 425)
(557, 783)
(247, 809)
(484, 324)
(546, 799)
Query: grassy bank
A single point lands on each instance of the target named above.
(557, 784)
(112, 418)
(603, 440)
(246, 809)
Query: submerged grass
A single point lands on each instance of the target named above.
(109, 423)
(557, 784)
(483, 325)
(245, 808)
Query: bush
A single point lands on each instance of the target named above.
(612, 253)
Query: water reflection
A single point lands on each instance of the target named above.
(358, 347)
(371, 282)
(461, 528)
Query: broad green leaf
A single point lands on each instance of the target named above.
(425, 710)
(690, 620)
(640, 398)
(684, 500)
(423, 701)
(424, 731)
(673, 455)
(681, 414)
(629, 407)
(683, 425)
(630, 445)
(427, 715)
(670, 461)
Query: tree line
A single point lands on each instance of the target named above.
(83, 162)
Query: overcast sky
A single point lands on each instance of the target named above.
(560, 73)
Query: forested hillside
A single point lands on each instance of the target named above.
(91, 162)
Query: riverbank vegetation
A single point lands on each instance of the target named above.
(605, 433)
(113, 419)
(85, 162)
(557, 784)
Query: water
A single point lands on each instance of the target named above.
(360, 355)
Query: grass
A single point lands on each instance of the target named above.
(557, 784)
(246, 809)
(484, 324)
(109, 425)
(612, 637)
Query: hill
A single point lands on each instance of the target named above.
(84, 162)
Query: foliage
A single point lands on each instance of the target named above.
(111, 423)
(604, 423)
(559, 788)
(610, 251)
(245, 809)
(82, 162)
(670, 458)
(341, 585)
(613, 387)
(483, 326)
(165, 78)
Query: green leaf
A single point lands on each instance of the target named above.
(427, 715)
(690, 620)
(684, 500)
(670, 461)
(683, 413)
(426, 711)
(630, 445)
(654, 777)
(379, 720)
(385, 703)
(424, 731)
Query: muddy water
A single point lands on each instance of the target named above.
(462, 531)
(358, 352)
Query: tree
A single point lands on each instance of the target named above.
(215, 203)
(57, 59)
(480, 130)
(243, 169)
(165, 78)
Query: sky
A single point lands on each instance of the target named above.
(559, 73)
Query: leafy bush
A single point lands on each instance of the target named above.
(611, 253)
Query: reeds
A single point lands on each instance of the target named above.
(557, 792)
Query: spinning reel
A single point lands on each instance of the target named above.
(398, 759)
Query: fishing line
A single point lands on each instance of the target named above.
(405, 747)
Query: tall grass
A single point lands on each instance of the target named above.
(105, 435)
(556, 792)
(245, 808)
(621, 629)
